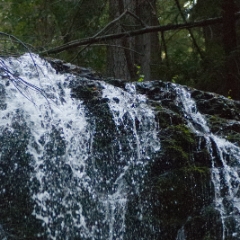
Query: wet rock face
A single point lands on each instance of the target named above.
(176, 197)
(184, 192)
(63, 67)
(179, 190)
(183, 188)
(16, 205)
(222, 114)
(213, 104)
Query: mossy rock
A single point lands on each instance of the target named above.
(183, 135)
(177, 146)
(182, 178)
(228, 129)
(205, 226)
(167, 117)
(181, 193)
(219, 106)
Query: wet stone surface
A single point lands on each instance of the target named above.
(150, 160)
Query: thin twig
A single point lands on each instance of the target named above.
(110, 24)
(18, 81)
(102, 30)
(136, 17)
(22, 43)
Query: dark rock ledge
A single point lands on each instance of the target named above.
(178, 189)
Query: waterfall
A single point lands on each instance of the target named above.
(81, 158)
(130, 114)
(225, 158)
(81, 171)
(181, 235)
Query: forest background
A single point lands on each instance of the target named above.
(193, 42)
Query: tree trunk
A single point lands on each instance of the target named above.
(148, 44)
(221, 45)
(118, 59)
(232, 63)
(213, 33)
(145, 48)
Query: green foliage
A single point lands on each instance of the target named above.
(182, 134)
(45, 24)
(180, 60)
(229, 94)
(139, 75)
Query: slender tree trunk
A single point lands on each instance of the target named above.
(229, 28)
(148, 44)
(117, 59)
(122, 61)
(221, 44)
(232, 63)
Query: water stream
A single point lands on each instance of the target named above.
(79, 191)
(84, 162)
(225, 166)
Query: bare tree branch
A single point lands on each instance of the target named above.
(137, 18)
(102, 30)
(107, 26)
(81, 42)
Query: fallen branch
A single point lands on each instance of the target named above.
(141, 31)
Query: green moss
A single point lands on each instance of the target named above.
(176, 152)
(205, 226)
(178, 144)
(158, 107)
(230, 130)
(203, 171)
(179, 135)
(184, 134)
(167, 117)
(183, 185)
(216, 123)
(234, 137)
(180, 193)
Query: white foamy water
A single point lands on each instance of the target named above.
(67, 197)
(225, 164)
(130, 112)
(52, 113)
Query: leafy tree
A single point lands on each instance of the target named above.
(44, 24)
(185, 41)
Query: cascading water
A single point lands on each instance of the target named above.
(80, 177)
(81, 158)
(225, 158)
(131, 118)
